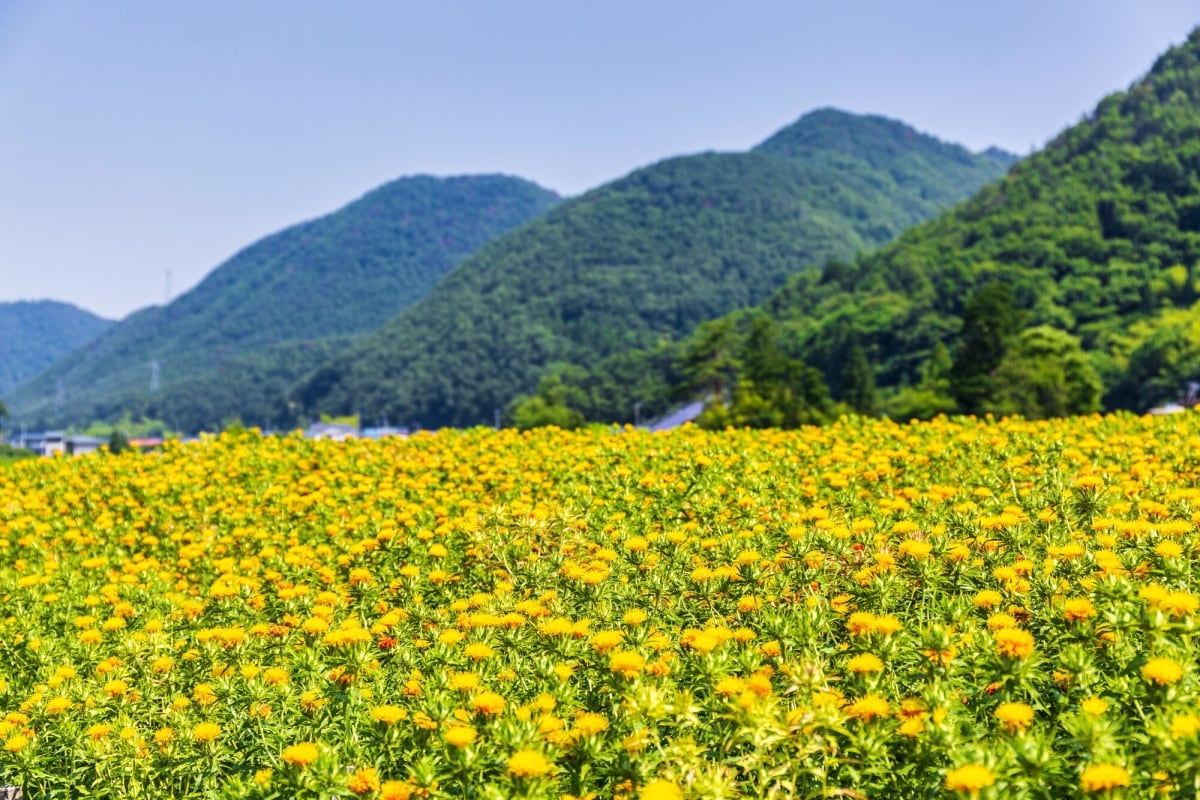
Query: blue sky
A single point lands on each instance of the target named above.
(138, 137)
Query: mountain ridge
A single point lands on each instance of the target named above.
(35, 333)
(686, 238)
(1097, 235)
(337, 275)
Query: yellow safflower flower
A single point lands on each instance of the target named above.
(634, 617)
(388, 715)
(363, 780)
(1014, 643)
(969, 778)
(528, 764)
(477, 651)
(1015, 717)
(868, 707)
(589, 724)
(1079, 609)
(301, 755)
(626, 662)
(206, 732)
(603, 641)
(987, 598)
(464, 681)
(865, 663)
(58, 705)
(396, 790)
(1162, 671)
(1185, 726)
(488, 703)
(460, 735)
(659, 789)
(1102, 777)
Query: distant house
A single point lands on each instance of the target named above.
(50, 443)
(383, 432)
(336, 431)
(1190, 399)
(46, 443)
(678, 417)
(1169, 408)
(82, 445)
(147, 443)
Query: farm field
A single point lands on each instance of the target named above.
(960, 608)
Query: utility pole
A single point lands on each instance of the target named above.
(154, 376)
(637, 414)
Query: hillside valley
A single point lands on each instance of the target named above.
(231, 346)
(1067, 287)
(642, 260)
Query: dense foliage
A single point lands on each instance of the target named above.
(236, 342)
(922, 175)
(1068, 284)
(960, 609)
(1098, 235)
(642, 260)
(35, 334)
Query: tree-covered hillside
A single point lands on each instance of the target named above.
(642, 260)
(920, 174)
(35, 334)
(237, 341)
(1092, 244)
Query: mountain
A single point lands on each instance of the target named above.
(277, 309)
(923, 174)
(1097, 237)
(644, 259)
(35, 334)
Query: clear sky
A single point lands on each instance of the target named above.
(141, 136)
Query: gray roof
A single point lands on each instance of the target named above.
(677, 417)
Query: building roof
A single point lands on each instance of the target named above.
(677, 417)
(85, 440)
(330, 430)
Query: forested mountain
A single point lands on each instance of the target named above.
(1090, 246)
(232, 345)
(922, 175)
(35, 334)
(644, 259)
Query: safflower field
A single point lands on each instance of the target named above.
(961, 608)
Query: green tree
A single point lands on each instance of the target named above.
(858, 382)
(935, 372)
(117, 442)
(990, 321)
(709, 362)
(1165, 357)
(931, 396)
(548, 407)
(1045, 373)
(770, 389)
